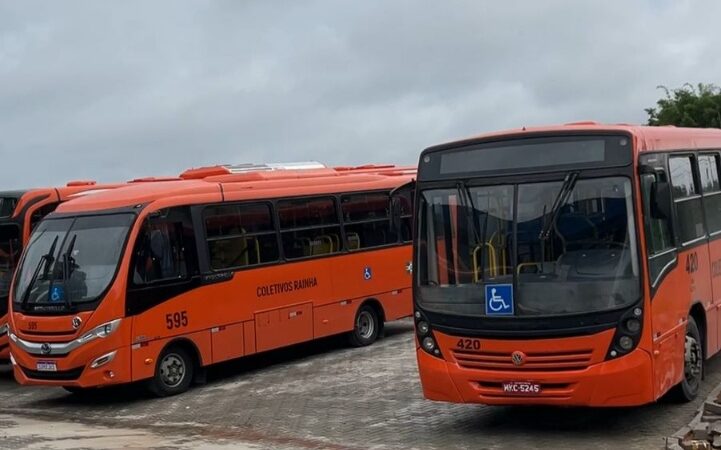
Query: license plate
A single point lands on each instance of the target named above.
(47, 366)
(521, 388)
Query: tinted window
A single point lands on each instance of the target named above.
(689, 210)
(366, 219)
(682, 177)
(7, 206)
(165, 250)
(40, 213)
(307, 212)
(658, 233)
(309, 227)
(10, 248)
(71, 260)
(240, 235)
(708, 172)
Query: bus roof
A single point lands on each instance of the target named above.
(164, 186)
(647, 138)
(245, 186)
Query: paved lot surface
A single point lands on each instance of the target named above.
(323, 395)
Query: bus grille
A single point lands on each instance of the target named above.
(537, 361)
(60, 375)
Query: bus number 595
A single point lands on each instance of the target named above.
(176, 320)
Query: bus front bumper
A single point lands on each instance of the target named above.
(90, 366)
(626, 381)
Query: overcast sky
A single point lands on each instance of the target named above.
(112, 90)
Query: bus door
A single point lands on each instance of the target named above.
(708, 164)
(163, 275)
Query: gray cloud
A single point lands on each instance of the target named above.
(115, 90)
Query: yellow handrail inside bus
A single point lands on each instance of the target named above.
(527, 264)
(492, 269)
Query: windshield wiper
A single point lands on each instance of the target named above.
(46, 259)
(566, 188)
(68, 267)
(66, 261)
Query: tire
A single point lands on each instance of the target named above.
(687, 390)
(366, 327)
(173, 372)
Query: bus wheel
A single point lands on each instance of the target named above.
(688, 388)
(173, 372)
(366, 328)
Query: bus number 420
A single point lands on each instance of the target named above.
(176, 320)
(469, 344)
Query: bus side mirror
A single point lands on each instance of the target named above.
(660, 200)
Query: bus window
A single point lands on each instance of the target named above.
(708, 171)
(366, 220)
(10, 248)
(403, 196)
(658, 233)
(309, 227)
(7, 206)
(687, 199)
(240, 235)
(160, 252)
(40, 213)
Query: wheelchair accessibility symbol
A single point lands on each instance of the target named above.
(367, 273)
(57, 294)
(499, 299)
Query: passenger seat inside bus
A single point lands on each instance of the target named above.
(353, 241)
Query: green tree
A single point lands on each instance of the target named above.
(688, 106)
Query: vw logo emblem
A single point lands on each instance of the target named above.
(77, 321)
(518, 358)
(45, 349)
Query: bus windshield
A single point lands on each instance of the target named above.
(567, 246)
(71, 260)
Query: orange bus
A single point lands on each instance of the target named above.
(20, 212)
(154, 282)
(568, 265)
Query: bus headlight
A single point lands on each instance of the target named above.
(628, 333)
(625, 342)
(101, 331)
(633, 325)
(423, 327)
(425, 335)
